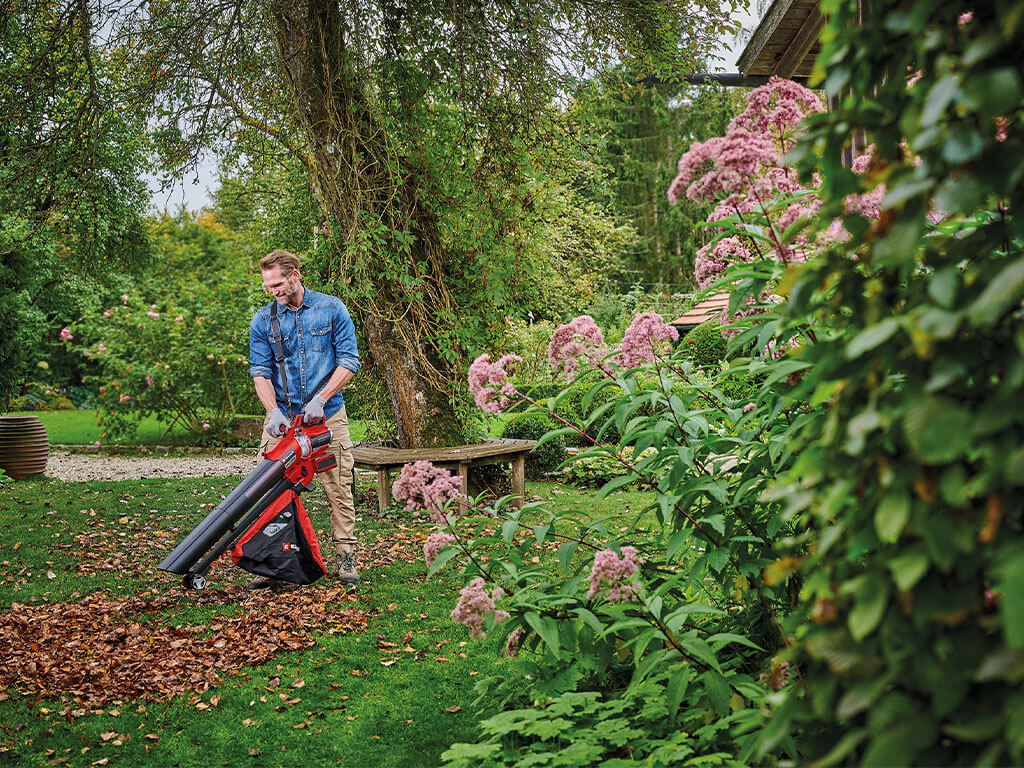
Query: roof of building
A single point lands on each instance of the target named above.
(786, 42)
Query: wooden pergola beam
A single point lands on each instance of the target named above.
(803, 41)
(763, 34)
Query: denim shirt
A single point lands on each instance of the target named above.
(317, 338)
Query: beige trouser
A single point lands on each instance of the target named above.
(337, 482)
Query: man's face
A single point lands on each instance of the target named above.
(283, 287)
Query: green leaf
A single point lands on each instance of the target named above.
(939, 97)
(439, 562)
(547, 629)
(1011, 607)
(871, 337)
(508, 530)
(891, 516)
(908, 568)
(938, 429)
(615, 483)
(1000, 295)
(994, 91)
(565, 553)
(870, 601)
(540, 532)
(963, 144)
(678, 682)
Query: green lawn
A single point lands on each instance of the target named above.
(386, 679)
(80, 428)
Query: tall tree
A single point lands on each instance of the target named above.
(638, 130)
(71, 199)
(419, 124)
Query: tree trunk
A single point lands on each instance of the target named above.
(363, 182)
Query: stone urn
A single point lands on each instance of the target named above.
(24, 446)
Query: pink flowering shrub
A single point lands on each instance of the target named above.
(647, 339)
(488, 382)
(426, 488)
(579, 338)
(474, 604)
(615, 576)
(434, 544)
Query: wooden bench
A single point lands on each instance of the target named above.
(460, 458)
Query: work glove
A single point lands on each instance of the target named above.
(314, 410)
(277, 423)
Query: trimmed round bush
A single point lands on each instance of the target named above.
(705, 345)
(545, 458)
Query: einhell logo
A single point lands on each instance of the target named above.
(290, 547)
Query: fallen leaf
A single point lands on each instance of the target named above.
(453, 709)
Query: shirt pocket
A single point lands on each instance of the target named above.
(321, 337)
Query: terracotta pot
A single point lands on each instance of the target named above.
(24, 446)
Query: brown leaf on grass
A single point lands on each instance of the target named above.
(453, 709)
(102, 649)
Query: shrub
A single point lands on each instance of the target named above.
(705, 344)
(544, 459)
(36, 396)
(594, 469)
(184, 360)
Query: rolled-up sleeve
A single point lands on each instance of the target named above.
(260, 355)
(346, 352)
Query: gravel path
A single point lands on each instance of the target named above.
(83, 467)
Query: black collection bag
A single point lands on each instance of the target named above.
(281, 544)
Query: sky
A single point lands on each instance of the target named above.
(196, 188)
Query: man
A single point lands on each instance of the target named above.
(318, 347)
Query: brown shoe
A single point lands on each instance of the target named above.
(347, 572)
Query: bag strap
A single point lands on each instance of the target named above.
(275, 328)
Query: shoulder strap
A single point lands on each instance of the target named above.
(275, 328)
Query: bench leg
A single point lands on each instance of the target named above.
(519, 480)
(383, 488)
(464, 477)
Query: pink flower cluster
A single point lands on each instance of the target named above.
(424, 487)
(578, 338)
(646, 337)
(488, 382)
(65, 333)
(777, 108)
(474, 604)
(615, 574)
(722, 165)
(434, 544)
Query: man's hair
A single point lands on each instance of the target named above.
(283, 260)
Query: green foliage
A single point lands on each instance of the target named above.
(546, 457)
(908, 484)
(71, 198)
(697, 640)
(41, 397)
(184, 359)
(638, 132)
(596, 469)
(587, 728)
(704, 345)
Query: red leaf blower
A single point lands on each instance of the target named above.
(266, 502)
